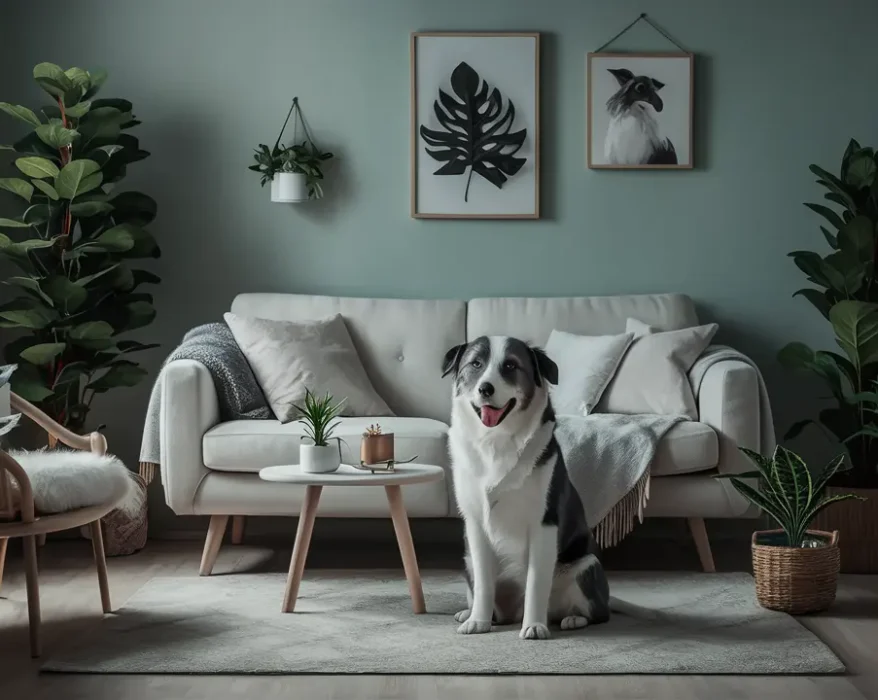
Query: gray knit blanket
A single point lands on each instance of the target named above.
(238, 392)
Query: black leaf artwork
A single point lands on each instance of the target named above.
(477, 131)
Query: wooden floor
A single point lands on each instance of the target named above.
(71, 604)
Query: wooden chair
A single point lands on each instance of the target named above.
(22, 521)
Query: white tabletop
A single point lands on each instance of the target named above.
(348, 476)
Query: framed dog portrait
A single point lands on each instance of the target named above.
(475, 132)
(639, 110)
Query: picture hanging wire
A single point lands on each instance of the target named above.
(300, 119)
(652, 24)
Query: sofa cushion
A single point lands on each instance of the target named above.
(250, 445)
(687, 447)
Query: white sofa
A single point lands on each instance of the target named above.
(211, 468)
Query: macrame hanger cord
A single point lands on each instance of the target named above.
(298, 119)
(652, 24)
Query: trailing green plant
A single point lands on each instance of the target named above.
(318, 415)
(7, 423)
(74, 244)
(845, 292)
(305, 158)
(787, 491)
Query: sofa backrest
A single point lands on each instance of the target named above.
(533, 319)
(401, 342)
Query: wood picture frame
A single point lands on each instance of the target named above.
(505, 64)
(615, 132)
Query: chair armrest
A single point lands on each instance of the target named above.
(9, 467)
(93, 442)
(189, 409)
(729, 403)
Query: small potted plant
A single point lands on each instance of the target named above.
(318, 415)
(376, 446)
(796, 569)
(294, 171)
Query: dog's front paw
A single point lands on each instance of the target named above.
(474, 626)
(537, 631)
(574, 622)
(462, 616)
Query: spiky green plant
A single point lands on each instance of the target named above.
(787, 492)
(318, 415)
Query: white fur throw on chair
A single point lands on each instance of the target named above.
(64, 480)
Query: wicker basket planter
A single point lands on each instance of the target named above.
(858, 522)
(795, 580)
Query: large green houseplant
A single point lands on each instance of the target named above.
(844, 290)
(74, 243)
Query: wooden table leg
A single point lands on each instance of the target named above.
(97, 544)
(300, 549)
(406, 547)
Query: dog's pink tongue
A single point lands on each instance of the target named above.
(491, 416)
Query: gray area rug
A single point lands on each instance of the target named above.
(361, 623)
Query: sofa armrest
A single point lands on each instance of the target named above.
(189, 409)
(729, 403)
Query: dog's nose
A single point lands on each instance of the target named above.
(486, 389)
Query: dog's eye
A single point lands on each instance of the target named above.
(509, 366)
(476, 364)
(639, 87)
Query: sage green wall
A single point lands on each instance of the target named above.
(779, 85)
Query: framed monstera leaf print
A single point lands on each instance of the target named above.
(475, 125)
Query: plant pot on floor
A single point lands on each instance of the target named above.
(795, 580)
(858, 523)
(289, 187)
(319, 459)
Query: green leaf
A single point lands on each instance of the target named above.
(71, 181)
(830, 238)
(79, 110)
(857, 238)
(861, 170)
(844, 272)
(78, 76)
(856, 328)
(93, 334)
(12, 223)
(760, 500)
(827, 473)
(35, 318)
(52, 79)
(46, 189)
(796, 429)
(43, 353)
(115, 240)
(88, 279)
(37, 214)
(34, 166)
(796, 356)
(134, 208)
(140, 313)
(144, 243)
(66, 295)
(55, 135)
(19, 112)
(22, 249)
(31, 285)
(827, 214)
(4, 241)
(96, 78)
(28, 384)
(17, 186)
(86, 209)
(127, 346)
(817, 298)
(120, 373)
(813, 266)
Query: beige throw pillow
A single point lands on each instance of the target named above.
(653, 375)
(586, 365)
(288, 358)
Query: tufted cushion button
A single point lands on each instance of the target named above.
(400, 357)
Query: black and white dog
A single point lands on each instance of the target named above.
(531, 557)
(633, 136)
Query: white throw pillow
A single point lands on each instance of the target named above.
(653, 375)
(288, 358)
(586, 364)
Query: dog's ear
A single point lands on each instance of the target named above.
(623, 75)
(452, 359)
(544, 367)
(657, 84)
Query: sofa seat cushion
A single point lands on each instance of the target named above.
(687, 447)
(250, 445)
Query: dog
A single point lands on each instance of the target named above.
(530, 555)
(633, 133)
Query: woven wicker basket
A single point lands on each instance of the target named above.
(796, 580)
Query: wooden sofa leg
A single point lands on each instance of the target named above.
(4, 543)
(702, 544)
(213, 543)
(237, 529)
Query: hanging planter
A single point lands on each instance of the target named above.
(295, 172)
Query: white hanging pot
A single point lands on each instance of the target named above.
(289, 187)
(315, 459)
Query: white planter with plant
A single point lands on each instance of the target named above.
(318, 414)
(295, 172)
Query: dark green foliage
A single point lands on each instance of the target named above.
(317, 417)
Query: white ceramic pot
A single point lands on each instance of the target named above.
(314, 459)
(289, 187)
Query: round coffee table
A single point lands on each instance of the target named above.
(348, 476)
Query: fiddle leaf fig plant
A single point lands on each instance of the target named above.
(75, 243)
(844, 290)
